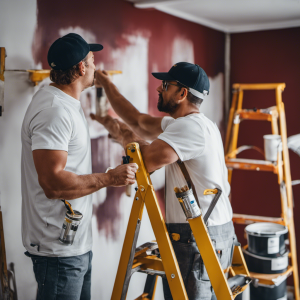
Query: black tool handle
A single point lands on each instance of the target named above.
(126, 159)
(212, 205)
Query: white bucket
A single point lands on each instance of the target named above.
(272, 145)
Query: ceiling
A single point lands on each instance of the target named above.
(231, 15)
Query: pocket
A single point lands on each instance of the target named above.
(185, 261)
(224, 250)
(198, 285)
(40, 265)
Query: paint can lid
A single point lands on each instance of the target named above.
(266, 229)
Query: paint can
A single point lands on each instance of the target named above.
(266, 265)
(268, 292)
(267, 239)
(272, 145)
(69, 227)
(188, 204)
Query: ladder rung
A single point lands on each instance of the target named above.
(251, 164)
(143, 297)
(260, 114)
(270, 279)
(149, 262)
(248, 219)
(258, 86)
(153, 272)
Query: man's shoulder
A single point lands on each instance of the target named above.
(190, 122)
(45, 101)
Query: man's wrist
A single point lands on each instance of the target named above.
(106, 84)
(105, 179)
(128, 137)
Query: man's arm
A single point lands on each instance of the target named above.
(144, 125)
(60, 184)
(155, 155)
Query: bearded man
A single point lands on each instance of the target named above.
(188, 136)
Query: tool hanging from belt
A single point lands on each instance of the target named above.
(192, 190)
(70, 225)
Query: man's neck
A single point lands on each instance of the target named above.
(73, 90)
(185, 111)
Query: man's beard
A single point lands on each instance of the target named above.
(169, 107)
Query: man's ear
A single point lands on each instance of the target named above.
(81, 68)
(183, 93)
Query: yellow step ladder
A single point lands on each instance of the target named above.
(147, 260)
(276, 116)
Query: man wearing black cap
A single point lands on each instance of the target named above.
(186, 136)
(56, 164)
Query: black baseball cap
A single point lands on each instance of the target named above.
(68, 51)
(189, 75)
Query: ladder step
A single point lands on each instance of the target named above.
(248, 219)
(266, 114)
(251, 164)
(148, 262)
(271, 279)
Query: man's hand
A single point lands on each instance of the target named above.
(123, 174)
(102, 78)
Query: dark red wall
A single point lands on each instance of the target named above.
(111, 20)
(262, 57)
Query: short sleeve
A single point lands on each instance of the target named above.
(165, 122)
(51, 129)
(186, 137)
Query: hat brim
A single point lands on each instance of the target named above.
(163, 76)
(95, 47)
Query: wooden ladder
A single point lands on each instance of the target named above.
(275, 115)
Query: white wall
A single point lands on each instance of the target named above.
(17, 25)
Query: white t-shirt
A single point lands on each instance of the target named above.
(198, 143)
(54, 121)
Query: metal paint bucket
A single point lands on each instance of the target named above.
(268, 292)
(189, 204)
(272, 145)
(266, 239)
(70, 227)
(266, 265)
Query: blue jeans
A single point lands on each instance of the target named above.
(63, 278)
(193, 271)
